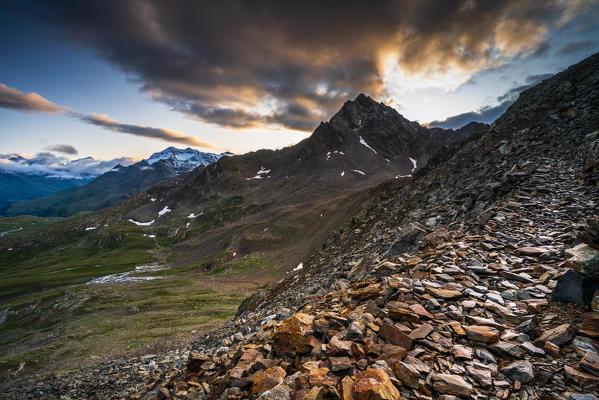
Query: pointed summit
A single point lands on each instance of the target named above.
(355, 112)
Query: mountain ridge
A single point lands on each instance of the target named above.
(114, 185)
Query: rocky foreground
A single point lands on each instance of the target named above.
(475, 281)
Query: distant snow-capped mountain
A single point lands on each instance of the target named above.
(184, 159)
(116, 184)
(58, 167)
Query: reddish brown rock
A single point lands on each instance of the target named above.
(581, 378)
(347, 388)
(406, 373)
(590, 324)
(402, 314)
(358, 351)
(321, 377)
(393, 352)
(267, 379)
(590, 362)
(445, 294)
(248, 363)
(368, 292)
(338, 347)
(291, 336)
(394, 336)
(461, 352)
(451, 384)
(551, 349)
(196, 360)
(482, 334)
(421, 311)
(374, 384)
(558, 336)
(340, 364)
(315, 393)
(531, 251)
(421, 332)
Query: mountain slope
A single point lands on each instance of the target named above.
(285, 202)
(114, 185)
(16, 187)
(439, 288)
(248, 219)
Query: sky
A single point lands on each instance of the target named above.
(121, 80)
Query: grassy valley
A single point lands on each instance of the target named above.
(50, 317)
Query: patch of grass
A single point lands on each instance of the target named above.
(254, 264)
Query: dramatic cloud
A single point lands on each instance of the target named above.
(63, 148)
(291, 64)
(146, 131)
(48, 164)
(488, 114)
(27, 102)
(32, 102)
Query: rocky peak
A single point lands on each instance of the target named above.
(355, 113)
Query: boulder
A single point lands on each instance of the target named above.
(374, 384)
(268, 379)
(574, 287)
(291, 336)
(520, 370)
(584, 259)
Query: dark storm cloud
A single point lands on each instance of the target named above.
(14, 99)
(255, 63)
(488, 114)
(63, 148)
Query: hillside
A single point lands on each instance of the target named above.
(284, 203)
(183, 254)
(439, 289)
(17, 187)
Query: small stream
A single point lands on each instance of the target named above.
(129, 277)
(2, 234)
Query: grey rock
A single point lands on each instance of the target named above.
(520, 370)
(574, 287)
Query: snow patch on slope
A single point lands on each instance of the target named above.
(141, 223)
(415, 163)
(362, 141)
(262, 171)
(164, 211)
